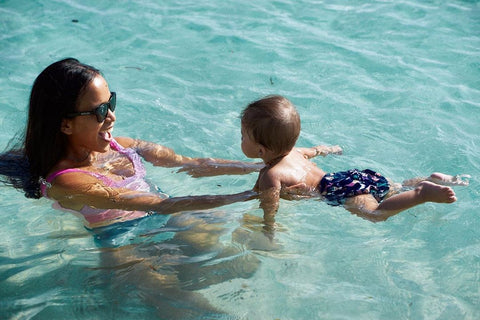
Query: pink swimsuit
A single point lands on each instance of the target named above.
(100, 217)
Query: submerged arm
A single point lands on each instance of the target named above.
(269, 202)
(177, 204)
(75, 190)
(269, 187)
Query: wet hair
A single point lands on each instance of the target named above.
(54, 94)
(272, 122)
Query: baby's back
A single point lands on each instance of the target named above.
(297, 175)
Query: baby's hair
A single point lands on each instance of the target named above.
(272, 122)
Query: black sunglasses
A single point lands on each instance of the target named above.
(101, 111)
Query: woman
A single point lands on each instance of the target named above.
(70, 155)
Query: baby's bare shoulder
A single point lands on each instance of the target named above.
(269, 177)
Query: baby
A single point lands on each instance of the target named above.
(270, 128)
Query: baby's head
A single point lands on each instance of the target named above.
(272, 122)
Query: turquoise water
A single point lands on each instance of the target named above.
(395, 83)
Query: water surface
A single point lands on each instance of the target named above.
(395, 83)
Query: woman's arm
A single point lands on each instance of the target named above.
(75, 189)
(216, 167)
(177, 204)
(154, 153)
(159, 155)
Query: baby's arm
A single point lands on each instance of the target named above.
(269, 202)
(309, 153)
(269, 187)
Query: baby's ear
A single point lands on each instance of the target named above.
(66, 126)
(261, 151)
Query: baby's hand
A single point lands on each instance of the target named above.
(297, 191)
(324, 150)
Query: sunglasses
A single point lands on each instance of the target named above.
(101, 111)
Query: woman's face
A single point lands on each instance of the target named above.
(85, 133)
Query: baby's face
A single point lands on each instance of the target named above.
(249, 147)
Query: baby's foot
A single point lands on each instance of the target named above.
(432, 192)
(448, 180)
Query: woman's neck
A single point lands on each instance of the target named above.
(83, 157)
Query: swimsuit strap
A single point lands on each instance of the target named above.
(45, 183)
(116, 146)
(138, 166)
(51, 177)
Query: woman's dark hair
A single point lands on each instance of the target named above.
(54, 94)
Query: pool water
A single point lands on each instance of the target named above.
(395, 83)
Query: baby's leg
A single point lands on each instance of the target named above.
(363, 206)
(439, 178)
(367, 207)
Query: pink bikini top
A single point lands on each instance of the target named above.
(99, 217)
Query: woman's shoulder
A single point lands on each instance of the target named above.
(69, 182)
(65, 172)
(72, 178)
